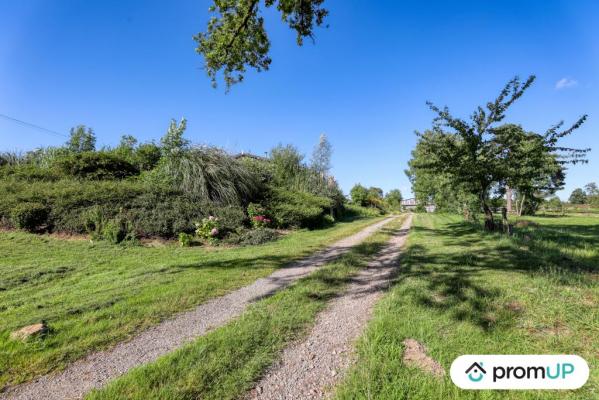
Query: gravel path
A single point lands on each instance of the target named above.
(97, 369)
(308, 369)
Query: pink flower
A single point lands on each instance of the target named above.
(214, 232)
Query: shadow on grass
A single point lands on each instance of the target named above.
(455, 275)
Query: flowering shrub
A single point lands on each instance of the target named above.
(255, 209)
(256, 213)
(260, 221)
(208, 229)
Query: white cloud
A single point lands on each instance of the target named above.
(566, 83)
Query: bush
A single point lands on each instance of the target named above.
(212, 175)
(208, 229)
(29, 216)
(355, 211)
(255, 209)
(299, 209)
(164, 213)
(96, 165)
(114, 232)
(257, 212)
(185, 239)
(29, 172)
(94, 219)
(253, 237)
(146, 156)
(82, 206)
(118, 230)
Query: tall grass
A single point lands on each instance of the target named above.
(211, 174)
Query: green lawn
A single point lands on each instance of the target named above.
(462, 291)
(94, 295)
(225, 363)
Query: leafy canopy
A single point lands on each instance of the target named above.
(321, 157)
(393, 199)
(236, 38)
(477, 155)
(81, 139)
(578, 196)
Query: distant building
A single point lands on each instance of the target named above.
(411, 204)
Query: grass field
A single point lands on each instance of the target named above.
(462, 291)
(225, 363)
(93, 295)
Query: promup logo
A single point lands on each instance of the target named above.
(476, 372)
(519, 372)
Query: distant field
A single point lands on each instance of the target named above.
(462, 291)
(94, 295)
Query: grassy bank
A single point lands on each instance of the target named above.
(225, 363)
(94, 295)
(462, 291)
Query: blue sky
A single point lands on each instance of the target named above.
(130, 66)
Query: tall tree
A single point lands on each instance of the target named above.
(359, 195)
(128, 142)
(393, 199)
(173, 143)
(578, 196)
(287, 164)
(527, 165)
(321, 156)
(478, 156)
(236, 39)
(82, 139)
(591, 189)
(436, 187)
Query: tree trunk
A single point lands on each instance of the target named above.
(489, 223)
(508, 198)
(507, 229)
(521, 205)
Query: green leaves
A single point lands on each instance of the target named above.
(479, 157)
(236, 38)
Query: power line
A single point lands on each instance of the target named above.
(41, 128)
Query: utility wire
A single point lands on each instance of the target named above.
(33, 126)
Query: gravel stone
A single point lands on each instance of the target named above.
(97, 369)
(334, 333)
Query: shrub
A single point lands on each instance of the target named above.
(29, 216)
(355, 211)
(29, 172)
(253, 237)
(260, 221)
(255, 209)
(80, 206)
(96, 165)
(257, 212)
(146, 156)
(212, 175)
(299, 209)
(208, 229)
(94, 219)
(113, 232)
(118, 230)
(185, 239)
